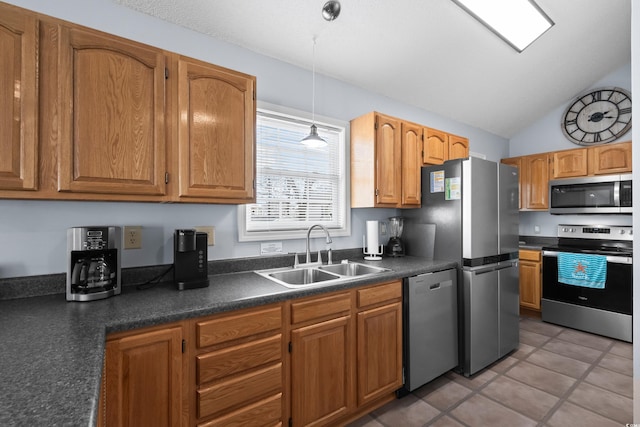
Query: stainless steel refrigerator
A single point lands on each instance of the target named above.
(474, 206)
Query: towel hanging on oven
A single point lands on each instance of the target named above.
(585, 270)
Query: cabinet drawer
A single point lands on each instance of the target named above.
(378, 294)
(530, 255)
(239, 358)
(246, 388)
(232, 327)
(320, 307)
(264, 412)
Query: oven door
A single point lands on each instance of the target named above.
(616, 295)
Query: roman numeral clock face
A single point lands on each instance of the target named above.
(599, 116)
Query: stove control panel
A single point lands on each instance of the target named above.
(602, 232)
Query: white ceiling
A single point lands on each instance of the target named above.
(427, 53)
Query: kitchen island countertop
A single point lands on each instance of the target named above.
(52, 350)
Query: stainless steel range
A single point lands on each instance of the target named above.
(587, 279)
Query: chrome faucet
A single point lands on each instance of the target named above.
(328, 241)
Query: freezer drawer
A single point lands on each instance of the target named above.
(491, 326)
(430, 326)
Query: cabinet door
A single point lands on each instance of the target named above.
(536, 179)
(216, 134)
(18, 100)
(436, 147)
(379, 352)
(530, 284)
(388, 161)
(411, 164)
(458, 147)
(112, 107)
(517, 162)
(144, 379)
(321, 372)
(570, 163)
(610, 159)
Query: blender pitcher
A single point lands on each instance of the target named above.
(395, 247)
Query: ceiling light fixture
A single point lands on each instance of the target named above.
(331, 10)
(517, 22)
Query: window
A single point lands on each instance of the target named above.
(296, 186)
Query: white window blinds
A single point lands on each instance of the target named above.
(297, 186)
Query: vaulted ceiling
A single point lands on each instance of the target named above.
(427, 53)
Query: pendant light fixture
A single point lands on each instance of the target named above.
(330, 12)
(313, 140)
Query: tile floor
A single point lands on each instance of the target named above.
(557, 377)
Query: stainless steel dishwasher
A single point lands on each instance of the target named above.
(430, 303)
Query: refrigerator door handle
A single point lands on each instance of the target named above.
(482, 269)
(509, 265)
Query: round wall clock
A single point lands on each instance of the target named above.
(598, 116)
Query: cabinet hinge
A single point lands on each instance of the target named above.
(290, 346)
(254, 184)
(377, 192)
(166, 177)
(166, 73)
(184, 346)
(254, 94)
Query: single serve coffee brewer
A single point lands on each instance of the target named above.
(190, 259)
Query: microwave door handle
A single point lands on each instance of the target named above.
(616, 194)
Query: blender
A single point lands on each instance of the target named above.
(395, 247)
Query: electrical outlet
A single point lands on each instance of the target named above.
(211, 233)
(133, 237)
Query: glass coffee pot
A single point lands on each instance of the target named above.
(395, 247)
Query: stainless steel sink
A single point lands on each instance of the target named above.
(295, 277)
(352, 269)
(302, 276)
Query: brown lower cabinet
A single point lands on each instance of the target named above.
(315, 361)
(143, 378)
(530, 279)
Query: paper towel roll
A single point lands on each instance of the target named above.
(372, 237)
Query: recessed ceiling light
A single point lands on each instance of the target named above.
(518, 22)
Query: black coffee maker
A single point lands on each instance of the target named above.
(190, 259)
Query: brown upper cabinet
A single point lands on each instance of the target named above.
(441, 146)
(18, 100)
(387, 154)
(112, 119)
(533, 180)
(610, 159)
(569, 163)
(537, 169)
(411, 164)
(216, 136)
(597, 160)
(376, 161)
(111, 123)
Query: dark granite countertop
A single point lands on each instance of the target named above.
(51, 355)
(536, 242)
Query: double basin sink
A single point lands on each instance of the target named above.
(296, 277)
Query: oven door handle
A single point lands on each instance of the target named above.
(610, 258)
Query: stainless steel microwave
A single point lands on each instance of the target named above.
(591, 195)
